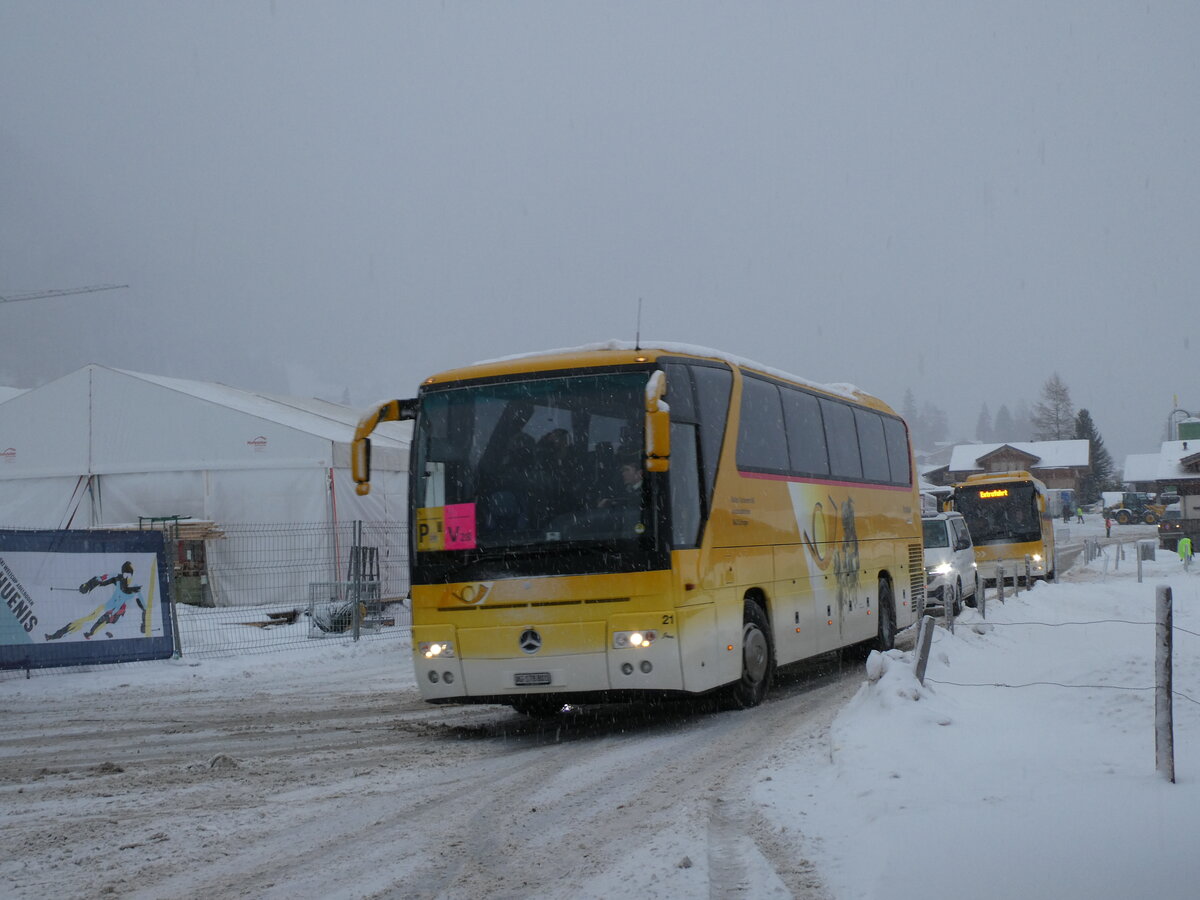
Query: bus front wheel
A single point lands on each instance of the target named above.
(886, 639)
(758, 663)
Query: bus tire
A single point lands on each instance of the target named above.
(758, 661)
(886, 638)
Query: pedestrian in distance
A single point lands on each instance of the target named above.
(1079, 513)
(1108, 526)
(1185, 552)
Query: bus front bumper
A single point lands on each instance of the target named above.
(1012, 568)
(589, 661)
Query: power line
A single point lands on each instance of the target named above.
(64, 292)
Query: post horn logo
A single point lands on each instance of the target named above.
(472, 594)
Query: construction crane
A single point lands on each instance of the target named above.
(65, 292)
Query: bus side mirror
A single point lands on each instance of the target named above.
(360, 447)
(658, 425)
(360, 464)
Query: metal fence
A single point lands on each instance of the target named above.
(264, 587)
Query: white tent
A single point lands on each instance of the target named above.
(104, 447)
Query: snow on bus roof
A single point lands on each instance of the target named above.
(849, 391)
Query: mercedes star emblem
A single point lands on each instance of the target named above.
(531, 641)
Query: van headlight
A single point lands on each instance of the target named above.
(436, 649)
(942, 569)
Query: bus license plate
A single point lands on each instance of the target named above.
(521, 679)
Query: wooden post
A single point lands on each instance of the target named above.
(924, 640)
(1164, 727)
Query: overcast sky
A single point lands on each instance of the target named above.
(954, 198)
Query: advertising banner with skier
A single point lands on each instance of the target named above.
(73, 597)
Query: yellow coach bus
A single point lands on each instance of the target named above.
(619, 522)
(1008, 514)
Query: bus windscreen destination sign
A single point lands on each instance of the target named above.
(993, 494)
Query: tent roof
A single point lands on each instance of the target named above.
(99, 420)
(310, 415)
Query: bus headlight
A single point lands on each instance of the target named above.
(623, 640)
(436, 649)
(1037, 557)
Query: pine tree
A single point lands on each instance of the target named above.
(933, 423)
(1103, 474)
(909, 410)
(983, 427)
(1053, 415)
(1022, 422)
(1004, 431)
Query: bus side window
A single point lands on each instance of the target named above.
(844, 461)
(805, 434)
(872, 445)
(679, 393)
(713, 387)
(685, 486)
(896, 436)
(759, 445)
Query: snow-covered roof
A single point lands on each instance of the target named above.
(849, 391)
(1046, 454)
(1142, 467)
(7, 393)
(1170, 460)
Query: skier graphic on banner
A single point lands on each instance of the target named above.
(109, 612)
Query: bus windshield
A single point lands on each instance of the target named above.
(1000, 513)
(537, 463)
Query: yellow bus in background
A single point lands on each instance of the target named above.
(621, 522)
(1008, 514)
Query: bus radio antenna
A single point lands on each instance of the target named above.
(637, 335)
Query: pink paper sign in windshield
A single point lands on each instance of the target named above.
(460, 526)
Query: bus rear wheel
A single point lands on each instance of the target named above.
(886, 638)
(758, 662)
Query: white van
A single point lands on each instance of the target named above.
(951, 576)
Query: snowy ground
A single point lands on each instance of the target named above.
(319, 773)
